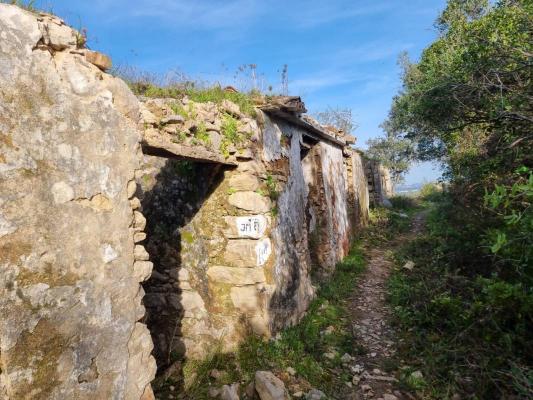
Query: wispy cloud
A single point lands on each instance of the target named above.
(318, 12)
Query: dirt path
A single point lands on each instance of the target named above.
(370, 324)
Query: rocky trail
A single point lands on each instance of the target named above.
(371, 328)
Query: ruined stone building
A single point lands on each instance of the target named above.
(135, 231)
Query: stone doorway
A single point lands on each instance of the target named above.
(172, 192)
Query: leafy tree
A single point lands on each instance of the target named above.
(393, 152)
(340, 118)
(468, 103)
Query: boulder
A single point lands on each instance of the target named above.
(99, 59)
(56, 35)
(269, 386)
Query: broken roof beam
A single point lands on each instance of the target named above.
(309, 129)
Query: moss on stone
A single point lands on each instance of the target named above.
(12, 251)
(39, 351)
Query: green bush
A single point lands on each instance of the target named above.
(403, 202)
(465, 323)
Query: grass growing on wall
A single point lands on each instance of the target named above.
(214, 94)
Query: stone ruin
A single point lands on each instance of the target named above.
(135, 232)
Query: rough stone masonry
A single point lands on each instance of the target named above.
(239, 215)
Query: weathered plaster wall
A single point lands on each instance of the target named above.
(293, 289)
(70, 296)
(358, 194)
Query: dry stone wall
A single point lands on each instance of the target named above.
(233, 250)
(70, 297)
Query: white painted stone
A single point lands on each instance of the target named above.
(253, 226)
(263, 250)
(108, 253)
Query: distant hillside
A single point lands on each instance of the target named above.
(408, 188)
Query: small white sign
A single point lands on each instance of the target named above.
(263, 250)
(253, 226)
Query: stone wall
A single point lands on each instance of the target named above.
(70, 297)
(379, 183)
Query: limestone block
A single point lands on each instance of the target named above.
(230, 108)
(191, 301)
(246, 298)
(139, 237)
(230, 392)
(269, 386)
(140, 253)
(235, 275)
(244, 182)
(241, 253)
(260, 325)
(141, 365)
(148, 117)
(252, 166)
(142, 270)
(99, 59)
(139, 222)
(349, 139)
(132, 188)
(58, 37)
(135, 203)
(250, 201)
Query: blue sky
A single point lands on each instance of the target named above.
(340, 53)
